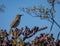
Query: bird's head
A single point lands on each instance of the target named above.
(19, 16)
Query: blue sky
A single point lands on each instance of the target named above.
(12, 9)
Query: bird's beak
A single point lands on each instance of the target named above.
(22, 15)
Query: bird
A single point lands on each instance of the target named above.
(16, 21)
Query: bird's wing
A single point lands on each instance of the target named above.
(13, 23)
